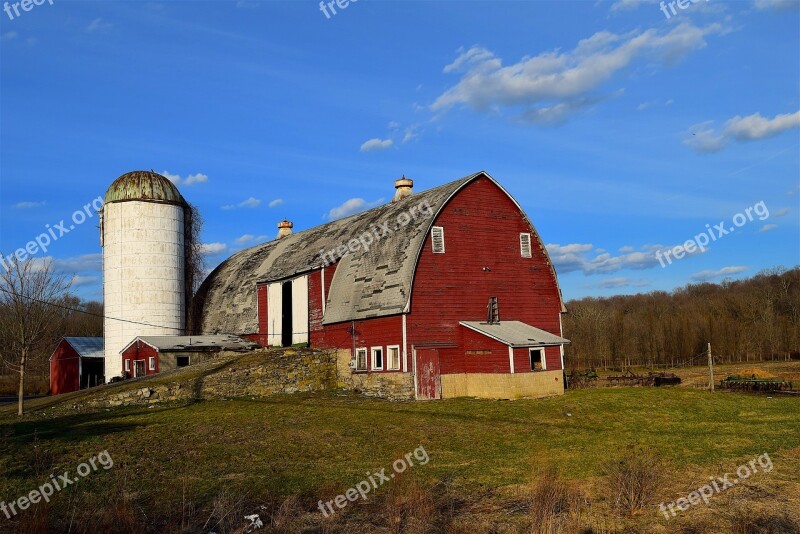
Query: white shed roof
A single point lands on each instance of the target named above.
(87, 347)
(515, 333)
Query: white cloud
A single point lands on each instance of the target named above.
(777, 4)
(213, 248)
(616, 283)
(8, 36)
(98, 24)
(552, 85)
(704, 276)
(376, 144)
(767, 227)
(84, 262)
(626, 5)
(349, 207)
(251, 202)
(783, 212)
(192, 179)
(245, 239)
(590, 260)
(79, 281)
(275, 203)
(705, 138)
(28, 205)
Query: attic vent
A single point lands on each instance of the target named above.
(437, 238)
(525, 245)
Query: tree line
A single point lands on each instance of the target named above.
(744, 320)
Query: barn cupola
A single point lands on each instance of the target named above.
(403, 187)
(284, 229)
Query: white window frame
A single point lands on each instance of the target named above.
(522, 250)
(399, 357)
(433, 239)
(359, 349)
(127, 366)
(544, 359)
(151, 363)
(373, 351)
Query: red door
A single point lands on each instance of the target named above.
(429, 381)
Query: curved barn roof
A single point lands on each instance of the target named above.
(366, 284)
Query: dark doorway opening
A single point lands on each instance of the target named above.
(92, 370)
(286, 324)
(182, 361)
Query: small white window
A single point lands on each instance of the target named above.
(361, 359)
(127, 366)
(377, 358)
(525, 245)
(437, 238)
(152, 363)
(537, 360)
(393, 358)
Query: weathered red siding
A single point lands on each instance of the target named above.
(482, 259)
(140, 351)
(64, 369)
(461, 362)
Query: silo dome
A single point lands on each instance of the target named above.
(143, 185)
(143, 232)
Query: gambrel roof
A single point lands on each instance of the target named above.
(367, 284)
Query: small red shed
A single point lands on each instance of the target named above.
(77, 363)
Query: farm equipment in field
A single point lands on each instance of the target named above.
(629, 378)
(751, 383)
(581, 379)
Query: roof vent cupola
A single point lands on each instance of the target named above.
(404, 188)
(284, 229)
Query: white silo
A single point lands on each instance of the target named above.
(143, 235)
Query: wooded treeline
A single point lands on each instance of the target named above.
(752, 319)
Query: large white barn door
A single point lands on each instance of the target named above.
(298, 307)
(274, 313)
(300, 310)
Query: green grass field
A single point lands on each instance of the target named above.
(309, 447)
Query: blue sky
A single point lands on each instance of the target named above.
(621, 132)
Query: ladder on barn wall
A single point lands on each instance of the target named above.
(493, 311)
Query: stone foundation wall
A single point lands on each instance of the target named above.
(391, 386)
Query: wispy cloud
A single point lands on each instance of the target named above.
(349, 207)
(767, 227)
(705, 276)
(275, 203)
(705, 138)
(783, 212)
(251, 202)
(376, 144)
(590, 260)
(192, 179)
(98, 24)
(28, 205)
(8, 36)
(777, 4)
(550, 86)
(213, 248)
(620, 282)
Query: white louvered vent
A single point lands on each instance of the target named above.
(437, 238)
(525, 245)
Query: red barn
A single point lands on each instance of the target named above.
(76, 363)
(444, 293)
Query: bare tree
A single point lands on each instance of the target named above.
(28, 292)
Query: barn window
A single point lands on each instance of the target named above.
(361, 359)
(377, 358)
(127, 366)
(437, 238)
(152, 363)
(537, 360)
(393, 358)
(182, 361)
(525, 245)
